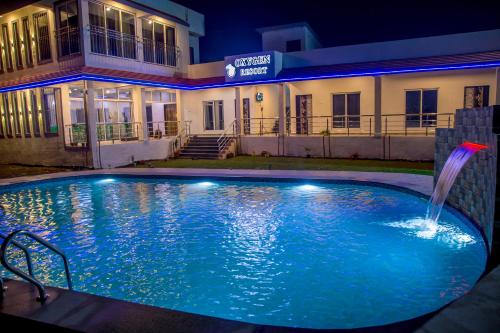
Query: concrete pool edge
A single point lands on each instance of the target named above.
(418, 183)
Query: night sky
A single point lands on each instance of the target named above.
(230, 25)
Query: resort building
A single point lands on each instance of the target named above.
(107, 83)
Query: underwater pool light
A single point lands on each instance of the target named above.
(308, 187)
(105, 181)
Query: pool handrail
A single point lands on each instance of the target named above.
(30, 278)
(25, 251)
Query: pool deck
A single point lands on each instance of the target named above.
(419, 183)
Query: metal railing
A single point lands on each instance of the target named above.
(159, 52)
(260, 126)
(118, 44)
(228, 134)
(119, 131)
(68, 41)
(76, 135)
(30, 277)
(159, 129)
(352, 125)
(112, 43)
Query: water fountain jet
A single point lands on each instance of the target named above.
(451, 169)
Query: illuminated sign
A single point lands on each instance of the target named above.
(255, 66)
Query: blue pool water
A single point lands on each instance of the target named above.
(281, 253)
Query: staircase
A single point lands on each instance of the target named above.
(204, 147)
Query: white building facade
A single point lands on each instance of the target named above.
(107, 83)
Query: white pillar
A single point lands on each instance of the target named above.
(238, 117)
(281, 109)
(91, 114)
(142, 114)
(377, 109)
(497, 95)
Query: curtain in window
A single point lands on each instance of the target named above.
(50, 110)
(26, 114)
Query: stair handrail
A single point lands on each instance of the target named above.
(33, 280)
(224, 138)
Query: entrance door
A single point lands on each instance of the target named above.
(149, 118)
(303, 113)
(246, 116)
(170, 114)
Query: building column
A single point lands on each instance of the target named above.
(281, 109)
(142, 114)
(377, 109)
(497, 98)
(91, 118)
(239, 123)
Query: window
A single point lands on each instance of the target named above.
(97, 29)
(346, 110)
(7, 47)
(112, 31)
(42, 37)
(114, 105)
(7, 114)
(191, 55)
(293, 45)
(28, 54)
(49, 104)
(34, 112)
(26, 114)
(421, 108)
(213, 115)
(17, 45)
(15, 113)
(128, 33)
(68, 36)
(476, 97)
(2, 117)
(159, 43)
(303, 112)
(1, 60)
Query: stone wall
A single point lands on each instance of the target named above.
(474, 190)
(48, 151)
(395, 147)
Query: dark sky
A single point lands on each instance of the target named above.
(230, 25)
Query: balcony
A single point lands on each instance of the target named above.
(116, 44)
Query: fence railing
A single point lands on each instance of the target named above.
(159, 129)
(120, 131)
(351, 125)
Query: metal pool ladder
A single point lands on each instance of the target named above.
(30, 277)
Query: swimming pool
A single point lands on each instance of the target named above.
(313, 255)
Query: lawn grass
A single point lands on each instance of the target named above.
(296, 163)
(15, 170)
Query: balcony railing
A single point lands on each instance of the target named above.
(120, 131)
(355, 125)
(112, 43)
(117, 44)
(68, 41)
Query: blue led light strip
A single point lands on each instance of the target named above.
(79, 77)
